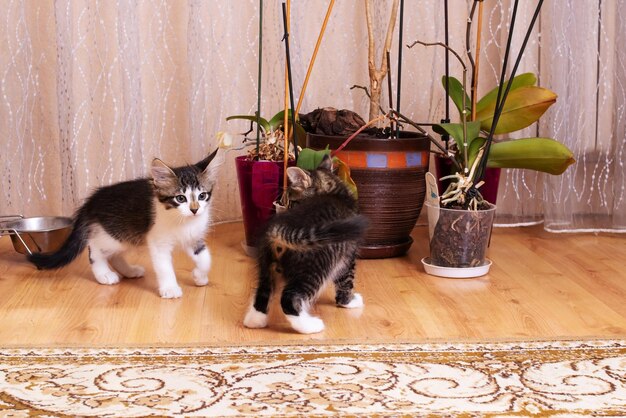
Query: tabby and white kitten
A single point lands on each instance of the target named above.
(170, 208)
(312, 243)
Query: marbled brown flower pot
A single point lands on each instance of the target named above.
(390, 178)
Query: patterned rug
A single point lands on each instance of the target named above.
(568, 378)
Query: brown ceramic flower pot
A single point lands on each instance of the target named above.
(390, 178)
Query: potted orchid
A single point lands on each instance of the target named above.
(460, 217)
(260, 172)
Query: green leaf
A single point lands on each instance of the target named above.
(455, 130)
(489, 99)
(523, 107)
(300, 134)
(456, 92)
(472, 153)
(263, 122)
(309, 159)
(279, 118)
(540, 154)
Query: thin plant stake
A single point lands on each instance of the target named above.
(400, 46)
(501, 100)
(286, 11)
(258, 104)
(291, 134)
(312, 61)
(445, 137)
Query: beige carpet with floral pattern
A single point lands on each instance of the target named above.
(568, 378)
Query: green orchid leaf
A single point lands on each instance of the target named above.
(455, 130)
(279, 118)
(522, 108)
(489, 99)
(438, 129)
(263, 122)
(456, 92)
(540, 154)
(474, 148)
(309, 159)
(300, 134)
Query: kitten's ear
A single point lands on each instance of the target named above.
(204, 164)
(162, 175)
(298, 178)
(208, 168)
(327, 163)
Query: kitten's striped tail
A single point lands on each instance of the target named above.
(71, 248)
(343, 230)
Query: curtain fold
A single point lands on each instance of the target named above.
(91, 91)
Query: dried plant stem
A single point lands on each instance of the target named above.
(476, 65)
(361, 129)
(389, 88)
(436, 143)
(468, 38)
(312, 61)
(464, 111)
(443, 45)
(377, 75)
(367, 93)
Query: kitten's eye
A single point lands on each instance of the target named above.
(181, 198)
(203, 196)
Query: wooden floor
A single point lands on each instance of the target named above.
(541, 286)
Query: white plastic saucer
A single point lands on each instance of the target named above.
(250, 251)
(456, 272)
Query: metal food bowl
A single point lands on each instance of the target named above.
(43, 234)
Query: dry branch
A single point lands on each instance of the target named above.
(377, 75)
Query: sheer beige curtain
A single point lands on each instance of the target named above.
(91, 91)
(581, 58)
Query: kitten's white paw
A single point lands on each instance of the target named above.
(170, 292)
(200, 278)
(255, 319)
(135, 271)
(356, 302)
(305, 323)
(109, 277)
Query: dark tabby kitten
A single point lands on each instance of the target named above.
(312, 243)
(172, 207)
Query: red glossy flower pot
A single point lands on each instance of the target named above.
(260, 184)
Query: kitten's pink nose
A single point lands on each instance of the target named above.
(193, 210)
